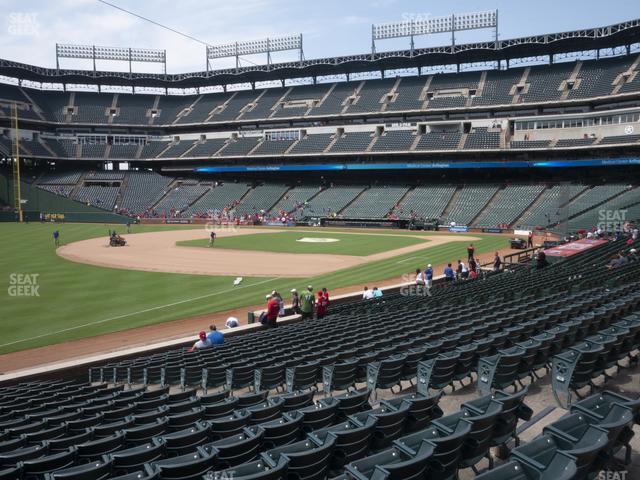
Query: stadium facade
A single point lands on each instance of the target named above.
(545, 132)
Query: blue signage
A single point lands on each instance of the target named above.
(420, 166)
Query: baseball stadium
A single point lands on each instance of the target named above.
(397, 245)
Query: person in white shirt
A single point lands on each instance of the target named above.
(232, 322)
(367, 294)
(203, 343)
(420, 278)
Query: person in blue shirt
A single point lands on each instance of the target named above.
(56, 238)
(428, 273)
(449, 274)
(215, 337)
(377, 293)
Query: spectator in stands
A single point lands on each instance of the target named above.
(232, 322)
(325, 294)
(202, 343)
(633, 255)
(273, 309)
(321, 305)
(497, 262)
(295, 301)
(449, 274)
(541, 260)
(473, 265)
(464, 271)
(367, 294)
(420, 278)
(614, 262)
(428, 274)
(623, 259)
(377, 293)
(278, 297)
(473, 275)
(307, 303)
(215, 337)
(470, 251)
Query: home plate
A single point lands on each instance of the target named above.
(317, 240)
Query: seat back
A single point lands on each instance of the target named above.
(438, 372)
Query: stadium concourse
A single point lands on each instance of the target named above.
(526, 368)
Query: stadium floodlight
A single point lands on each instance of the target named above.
(253, 47)
(432, 25)
(118, 54)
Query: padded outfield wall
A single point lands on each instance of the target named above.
(54, 207)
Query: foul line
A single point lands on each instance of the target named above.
(407, 259)
(118, 317)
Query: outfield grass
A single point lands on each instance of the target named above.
(78, 301)
(287, 242)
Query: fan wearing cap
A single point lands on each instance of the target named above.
(307, 303)
(203, 343)
(428, 275)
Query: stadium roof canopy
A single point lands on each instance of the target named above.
(621, 34)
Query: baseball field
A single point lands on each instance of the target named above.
(85, 288)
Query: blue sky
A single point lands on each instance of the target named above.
(329, 27)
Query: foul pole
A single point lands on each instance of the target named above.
(17, 196)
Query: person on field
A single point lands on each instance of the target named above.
(321, 305)
(56, 238)
(215, 337)
(212, 238)
(530, 240)
(232, 322)
(470, 251)
(202, 343)
(307, 303)
(273, 309)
